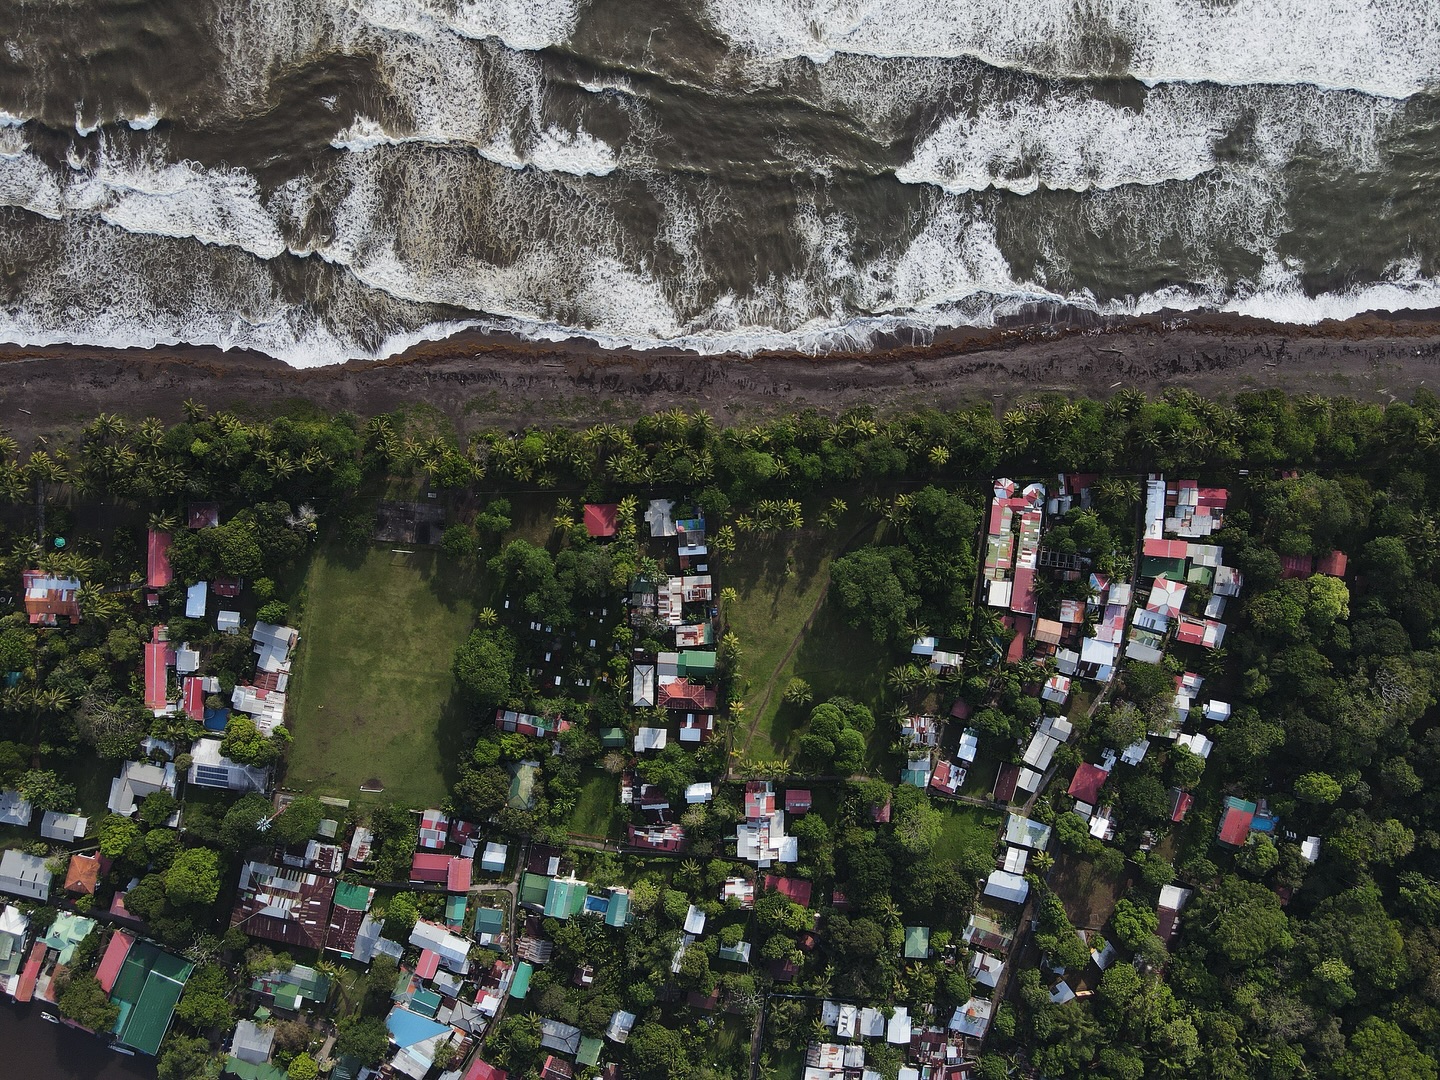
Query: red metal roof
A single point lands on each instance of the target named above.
(683, 694)
(1022, 597)
(155, 681)
(1088, 781)
(1166, 549)
(600, 518)
(431, 868)
(961, 710)
(1183, 802)
(25, 988)
(1005, 781)
(1235, 826)
(194, 697)
(1333, 563)
(113, 960)
(428, 964)
(480, 1070)
(797, 889)
(460, 871)
(157, 562)
(797, 800)
(1293, 566)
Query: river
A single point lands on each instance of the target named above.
(40, 1051)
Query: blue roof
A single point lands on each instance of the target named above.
(408, 1028)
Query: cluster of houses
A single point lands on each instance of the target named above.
(932, 1051)
(672, 691)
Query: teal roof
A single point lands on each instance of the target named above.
(455, 910)
(917, 942)
(522, 785)
(521, 985)
(564, 899)
(426, 1003)
(352, 897)
(618, 913)
(67, 931)
(613, 736)
(408, 1028)
(489, 920)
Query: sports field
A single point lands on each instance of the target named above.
(372, 697)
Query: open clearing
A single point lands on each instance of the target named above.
(788, 627)
(373, 697)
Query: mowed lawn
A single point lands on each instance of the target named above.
(372, 697)
(967, 828)
(788, 627)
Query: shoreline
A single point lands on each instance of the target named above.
(502, 381)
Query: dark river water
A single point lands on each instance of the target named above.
(35, 1050)
(329, 179)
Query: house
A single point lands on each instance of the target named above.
(542, 727)
(15, 809)
(480, 1070)
(620, 1024)
(1016, 859)
(1024, 832)
(564, 898)
(147, 989)
(1235, 822)
(137, 780)
(797, 801)
(601, 519)
(558, 1036)
(82, 875)
(272, 645)
(986, 969)
(694, 921)
(649, 738)
(739, 889)
(453, 872)
(1310, 849)
(642, 686)
(50, 599)
(452, 950)
(973, 1018)
(211, 769)
(664, 838)
(14, 926)
(195, 599)
(917, 943)
(1056, 689)
(24, 875)
(434, 830)
(761, 839)
(1086, 785)
(286, 905)
(699, 793)
(797, 889)
(947, 778)
(660, 516)
(228, 622)
(1172, 899)
(350, 905)
(554, 1068)
(1005, 886)
(684, 694)
(493, 859)
(695, 728)
(252, 1043)
(158, 573)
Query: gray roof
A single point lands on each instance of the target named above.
(63, 827)
(24, 875)
(252, 1042)
(560, 1037)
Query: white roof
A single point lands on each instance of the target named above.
(452, 949)
(649, 738)
(972, 1018)
(872, 1023)
(898, 1030)
(694, 921)
(1029, 780)
(195, 600)
(1173, 897)
(1135, 752)
(1027, 833)
(1197, 744)
(985, 969)
(1015, 860)
(1062, 993)
(227, 620)
(1217, 710)
(620, 1024)
(1005, 886)
(494, 856)
(1310, 848)
(642, 686)
(273, 644)
(660, 517)
(699, 793)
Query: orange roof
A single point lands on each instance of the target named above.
(157, 565)
(25, 988)
(156, 684)
(83, 875)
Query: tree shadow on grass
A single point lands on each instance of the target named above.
(455, 733)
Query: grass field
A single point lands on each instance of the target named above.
(598, 811)
(967, 828)
(372, 696)
(788, 627)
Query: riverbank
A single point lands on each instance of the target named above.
(492, 380)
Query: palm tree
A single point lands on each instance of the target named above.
(194, 410)
(97, 605)
(902, 678)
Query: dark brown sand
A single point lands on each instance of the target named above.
(496, 381)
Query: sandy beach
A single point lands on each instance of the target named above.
(495, 381)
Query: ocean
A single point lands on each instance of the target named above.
(325, 180)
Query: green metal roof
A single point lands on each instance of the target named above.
(697, 662)
(589, 1051)
(249, 1071)
(917, 942)
(521, 985)
(533, 888)
(426, 1003)
(613, 736)
(618, 913)
(1153, 566)
(564, 899)
(455, 910)
(489, 920)
(522, 785)
(147, 988)
(352, 897)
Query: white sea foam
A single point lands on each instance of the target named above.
(520, 24)
(1386, 47)
(145, 122)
